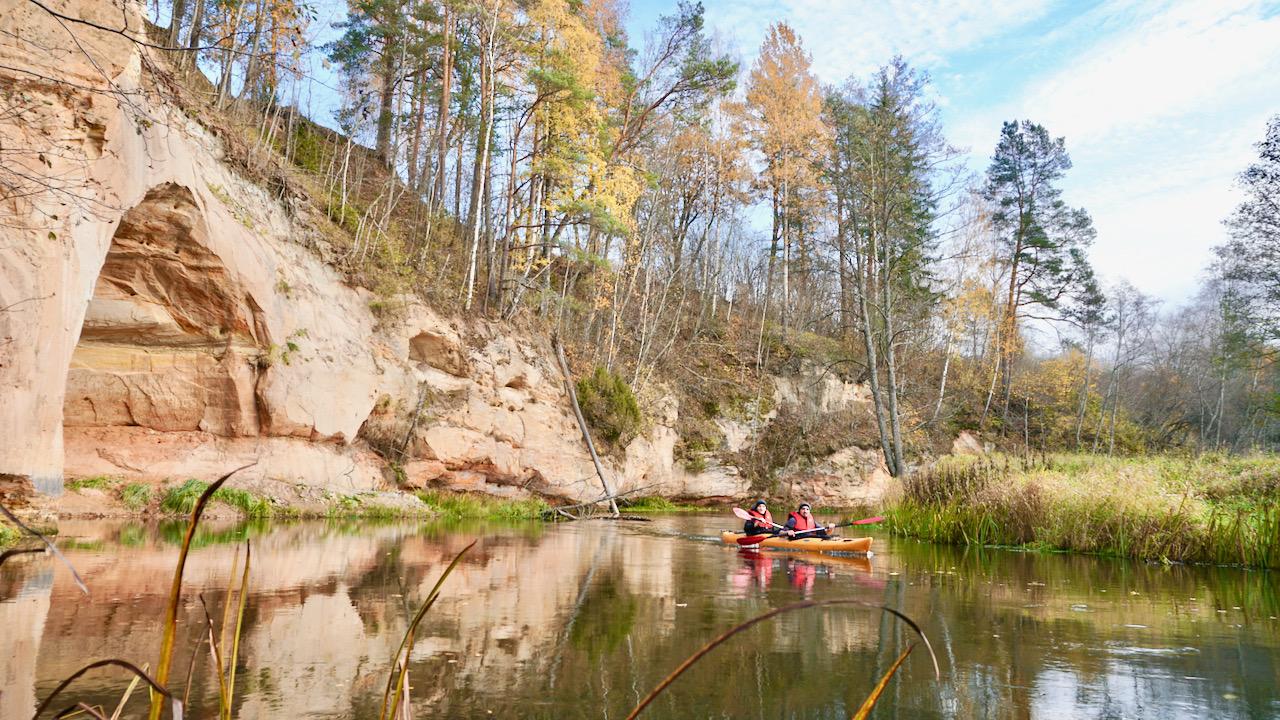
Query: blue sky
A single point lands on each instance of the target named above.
(1160, 101)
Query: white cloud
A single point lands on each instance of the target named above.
(1160, 112)
(847, 38)
(1189, 58)
(1160, 100)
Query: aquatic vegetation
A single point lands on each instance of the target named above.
(391, 703)
(867, 705)
(1208, 509)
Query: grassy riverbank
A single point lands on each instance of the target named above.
(1212, 508)
(113, 497)
(655, 504)
(482, 507)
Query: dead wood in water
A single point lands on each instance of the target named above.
(582, 424)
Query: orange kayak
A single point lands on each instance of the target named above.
(853, 545)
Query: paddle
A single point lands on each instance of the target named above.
(748, 516)
(863, 521)
(755, 540)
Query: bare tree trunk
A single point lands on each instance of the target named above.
(481, 170)
(891, 369)
(228, 56)
(386, 103)
(193, 37)
(942, 386)
(442, 115)
(582, 425)
(175, 22)
(418, 109)
(865, 258)
(785, 306)
(1084, 390)
(253, 68)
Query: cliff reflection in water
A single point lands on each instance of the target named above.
(580, 620)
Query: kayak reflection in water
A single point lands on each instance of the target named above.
(802, 576)
(802, 520)
(757, 569)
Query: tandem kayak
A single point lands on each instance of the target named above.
(855, 545)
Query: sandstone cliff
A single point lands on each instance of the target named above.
(164, 317)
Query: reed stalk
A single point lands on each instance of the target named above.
(175, 592)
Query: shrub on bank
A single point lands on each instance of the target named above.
(609, 405)
(8, 535)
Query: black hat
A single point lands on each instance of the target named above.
(805, 505)
(757, 504)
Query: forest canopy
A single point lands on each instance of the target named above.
(527, 159)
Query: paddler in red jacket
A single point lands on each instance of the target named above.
(761, 522)
(802, 519)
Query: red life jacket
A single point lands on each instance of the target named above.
(766, 519)
(804, 523)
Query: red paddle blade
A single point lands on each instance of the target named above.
(751, 540)
(868, 521)
(741, 513)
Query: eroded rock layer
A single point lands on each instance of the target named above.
(162, 317)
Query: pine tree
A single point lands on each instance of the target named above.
(1250, 261)
(1043, 240)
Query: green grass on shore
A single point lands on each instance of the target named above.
(655, 504)
(182, 499)
(136, 496)
(1212, 508)
(8, 535)
(467, 505)
(98, 482)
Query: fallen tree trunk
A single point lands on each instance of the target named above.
(582, 425)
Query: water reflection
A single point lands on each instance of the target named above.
(581, 620)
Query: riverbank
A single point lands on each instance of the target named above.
(1211, 509)
(113, 498)
(96, 498)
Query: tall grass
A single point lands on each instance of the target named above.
(657, 504)
(182, 499)
(1211, 510)
(485, 507)
(136, 496)
(99, 482)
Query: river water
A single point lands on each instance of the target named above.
(580, 620)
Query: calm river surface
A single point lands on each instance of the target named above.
(580, 620)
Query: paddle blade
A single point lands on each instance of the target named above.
(751, 540)
(742, 513)
(868, 521)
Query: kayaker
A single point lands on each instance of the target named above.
(761, 521)
(802, 519)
